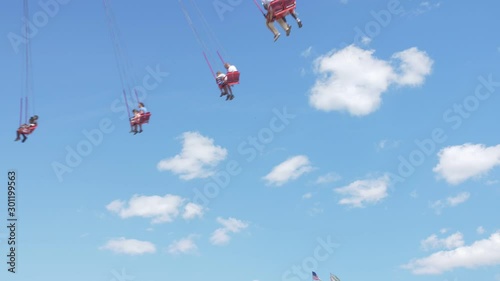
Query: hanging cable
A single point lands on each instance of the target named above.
(28, 88)
(260, 9)
(208, 29)
(123, 63)
(21, 113)
(190, 22)
(198, 38)
(115, 44)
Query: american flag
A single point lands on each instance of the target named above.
(334, 278)
(315, 276)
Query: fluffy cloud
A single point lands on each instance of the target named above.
(129, 246)
(192, 210)
(383, 144)
(290, 169)
(451, 242)
(414, 66)
(198, 158)
(353, 80)
(362, 192)
(425, 6)
(480, 230)
(183, 246)
(328, 178)
(220, 237)
(459, 199)
(160, 209)
(450, 201)
(484, 252)
(315, 209)
(462, 162)
(414, 194)
(231, 225)
(307, 52)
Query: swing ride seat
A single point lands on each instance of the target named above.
(233, 78)
(26, 130)
(144, 119)
(281, 8)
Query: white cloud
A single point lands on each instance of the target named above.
(426, 6)
(414, 67)
(231, 225)
(459, 199)
(129, 246)
(328, 178)
(192, 210)
(307, 195)
(316, 209)
(414, 194)
(220, 237)
(383, 144)
(362, 192)
(160, 209)
(453, 201)
(353, 80)
(462, 162)
(183, 246)
(480, 230)
(198, 158)
(451, 242)
(366, 40)
(481, 253)
(290, 169)
(307, 52)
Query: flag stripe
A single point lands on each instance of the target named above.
(334, 278)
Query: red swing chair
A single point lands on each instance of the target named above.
(25, 129)
(233, 77)
(143, 117)
(281, 8)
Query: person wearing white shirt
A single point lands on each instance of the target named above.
(270, 21)
(230, 67)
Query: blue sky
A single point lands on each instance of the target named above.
(364, 144)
